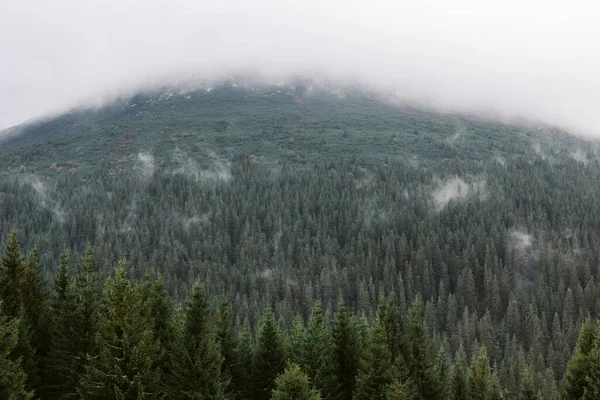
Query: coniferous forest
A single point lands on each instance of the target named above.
(197, 270)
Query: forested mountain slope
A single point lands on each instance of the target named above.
(278, 196)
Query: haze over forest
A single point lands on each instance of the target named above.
(532, 59)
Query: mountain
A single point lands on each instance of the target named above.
(298, 122)
(284, 200)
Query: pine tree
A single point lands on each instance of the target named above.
(481, 383)
(87, 295)
(245, 350)
(195, 367)
(21, 289)
(61, 366)
(317, 354)
(34, 319)
(12, 377)
(347, 352)
(420, 366)
(12, 273)
(376, 372)
(161, 311)
(293, 384)
(575, 379)
(295, 340)
(592, 390)
(441, 377)
(402, 390)
(230, 365)
(269, 357)
(527, 388)
(123, 362)
(458, 382)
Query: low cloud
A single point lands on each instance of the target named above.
(216, 169)
(457, 189)
(530, 59)
(144, 164)
(44, 198)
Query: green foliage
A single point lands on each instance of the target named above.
(195, 367)
(269, 356)
(123, 362)
(12, 276)
(509, 262)
(231, 369)
(481, 383)
(347, 351)
(376, 371)
(317, 355)
(12, 377)
(62, 365)
(293, 384)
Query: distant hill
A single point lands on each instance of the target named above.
(301, 123)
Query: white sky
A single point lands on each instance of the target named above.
(531, 58)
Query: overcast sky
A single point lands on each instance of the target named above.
(537, 59)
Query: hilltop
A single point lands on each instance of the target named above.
(300, 123)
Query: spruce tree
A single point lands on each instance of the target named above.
(245, 350)
(34, 319)
(269, 356)
(61, 365)
(527, 388)
(123, 362)
(318, 359)
(481, 383)
(87, 295)
(195, 362)
(12, 377)
(420, 366)
(161, 311)
(575, 380)
(347, 351)
(376, 371)
(293, 384)
(458, 381)
(12, 274)
(230, 365)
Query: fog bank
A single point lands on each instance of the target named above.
(529, 59)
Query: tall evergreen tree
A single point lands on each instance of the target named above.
(195, 367)
(230, 363)
(481, 383)
(293, 384)
(318, 359)
(12, 377)
(376, 371)
(347, 351)
(12, 273)
(269, 356)
(245, 350)
(575, 380)
(420, 366)
(87, 295)
(61, 366)
(458, 381)
(123, 362)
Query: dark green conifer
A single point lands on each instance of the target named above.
(123, 362)
(376, 371)
(347, 351)
(12, 377)
(269, 356)
(293, 384)
(195, 364)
